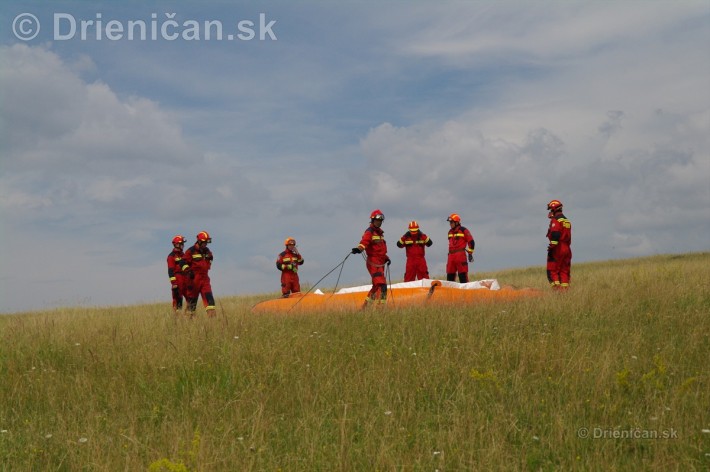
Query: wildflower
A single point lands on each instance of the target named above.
(535, 438)
(82, 440)
(388, 412)
(436, 453)
(47, 436)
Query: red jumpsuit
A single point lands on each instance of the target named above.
(288, 262)
(559, 253)
(461, 244)
(178, 278)
(415, 244)
(200, 262)
(375, 247)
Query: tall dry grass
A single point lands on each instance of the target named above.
(507, 386)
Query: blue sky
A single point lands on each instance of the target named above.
(488, 109)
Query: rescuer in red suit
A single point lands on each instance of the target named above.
(461, 246)
(177, 268)
(288, 262)
(415, 243)
(559, 253)
(375, 247)
(199, 258)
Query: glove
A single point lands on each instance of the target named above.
(356, 250)
(287, 266)
(470, 257)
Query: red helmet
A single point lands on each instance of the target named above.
(454, 217)
(179, 239)
(204, 236)
(413, 226)
(288, 241)
(554, 205)
(377, 215)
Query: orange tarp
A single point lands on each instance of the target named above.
(436, 294)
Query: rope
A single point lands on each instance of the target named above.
(321, 279)
(389, 279)
(342, 264)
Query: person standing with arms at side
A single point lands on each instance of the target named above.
(288, 262)
(415, 243)
(375, 247)
(461, 246)
(199, 258)
(559, 252)
(177, 268)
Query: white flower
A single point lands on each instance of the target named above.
(388, 412)
(82, 440)
(47, 436)
(535, 438)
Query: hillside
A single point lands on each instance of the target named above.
(609, 376)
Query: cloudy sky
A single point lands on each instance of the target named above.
(308, 115)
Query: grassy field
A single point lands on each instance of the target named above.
(612, 375)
